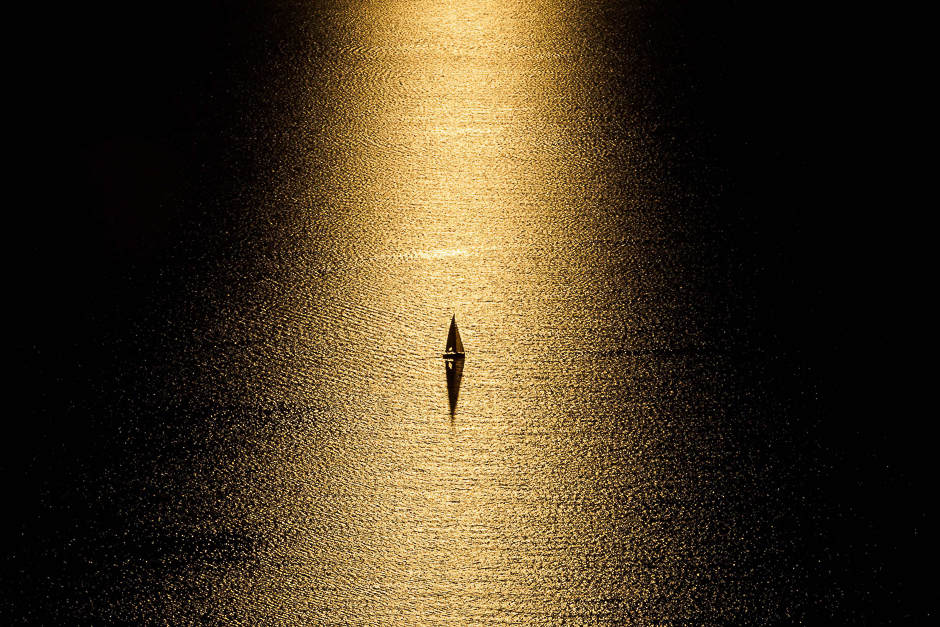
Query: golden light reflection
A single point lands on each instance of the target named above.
(455, 184)
(443, 254)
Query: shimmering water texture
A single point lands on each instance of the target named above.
(317, 462)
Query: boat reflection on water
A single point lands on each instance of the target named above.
(454, 370)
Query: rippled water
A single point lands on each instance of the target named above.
(288, 447)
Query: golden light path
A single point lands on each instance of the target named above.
(455, 172)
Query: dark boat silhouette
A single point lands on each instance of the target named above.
(454, 347)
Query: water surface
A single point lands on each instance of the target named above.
(276, 439)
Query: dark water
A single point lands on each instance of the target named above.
(239, 268)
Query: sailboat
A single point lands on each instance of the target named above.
(454, 348)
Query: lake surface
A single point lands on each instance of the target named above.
(248, 419)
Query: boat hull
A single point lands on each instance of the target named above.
(454, 355)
